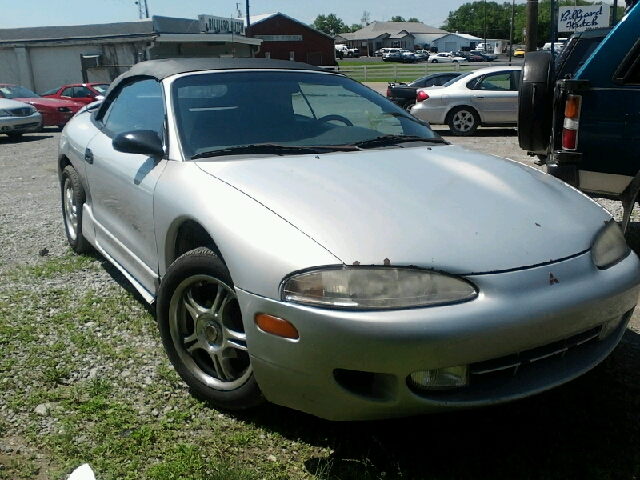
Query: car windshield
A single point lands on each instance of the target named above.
(285, 112)
(51, 92)
(101, 88)
(14, 91)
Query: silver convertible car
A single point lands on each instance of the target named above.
(308, 242)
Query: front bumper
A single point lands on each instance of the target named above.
(16, 124)
(354, 365)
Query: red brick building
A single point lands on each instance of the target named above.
(285, 38)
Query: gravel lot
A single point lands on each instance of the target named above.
(31, 233)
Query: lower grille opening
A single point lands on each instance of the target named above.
(378, 386)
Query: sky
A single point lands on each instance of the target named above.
(36, 13)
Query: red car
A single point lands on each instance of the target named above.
(79, 92)
(55, 112)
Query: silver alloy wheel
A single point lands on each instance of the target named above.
(463, 120)
(207, 333)
(70, 209)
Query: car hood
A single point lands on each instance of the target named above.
(443, 207)
(51, 102)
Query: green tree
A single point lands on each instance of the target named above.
(397, 18)
(481, 18)
(414, 20)
(470, 18)
(355, 27)
(330, 24)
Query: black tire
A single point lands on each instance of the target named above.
(14, 136)
(463, 121)
(408, 105)
(535, 102)
(73, 198)
(434, 61)
(202, 331)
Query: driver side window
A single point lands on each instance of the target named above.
(138, 106)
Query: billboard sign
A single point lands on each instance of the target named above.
(579, 19)
(221, 25)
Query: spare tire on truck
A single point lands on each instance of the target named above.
(535, 102)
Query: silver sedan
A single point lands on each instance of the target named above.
(487, 97)
(308, 242)
(17, 118)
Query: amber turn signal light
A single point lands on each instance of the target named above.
(276, 326)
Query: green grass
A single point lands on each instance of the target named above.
(156, 430)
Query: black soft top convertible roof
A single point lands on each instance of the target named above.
(160, 69)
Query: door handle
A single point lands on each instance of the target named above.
(88, 156)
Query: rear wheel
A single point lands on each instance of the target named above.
(202, 331)
(408, 105)
(463, 121)
(14, 136)
(535, 102)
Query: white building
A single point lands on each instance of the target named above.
(453, 42)
(43, 58)
(376, 35)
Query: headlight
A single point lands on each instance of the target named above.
(609, 246)
(371, 288)
(64, 109)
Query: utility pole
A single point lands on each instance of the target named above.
(484, 27)
(513, 7)
(531, 44)
(143, 9)
(247, 30)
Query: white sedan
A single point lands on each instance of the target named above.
(488, 97)
(445, 57)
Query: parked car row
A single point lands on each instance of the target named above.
(55, 112)
(24, 111)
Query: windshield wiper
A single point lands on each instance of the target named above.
(272, 148)
(385, 140)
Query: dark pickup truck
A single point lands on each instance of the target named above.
(580, 114)
(404, 94)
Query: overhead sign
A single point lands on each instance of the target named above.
(579, 19)
(221, 25)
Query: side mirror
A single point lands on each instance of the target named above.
(145, 142)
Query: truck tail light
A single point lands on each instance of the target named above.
(421, 96)
(571, 122)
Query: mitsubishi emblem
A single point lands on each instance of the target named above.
(552, 279)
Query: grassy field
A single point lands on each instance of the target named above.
(54, 417)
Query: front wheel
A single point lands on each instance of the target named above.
(202, 331)
(434, 61)
(463, 121)
(73, 198)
